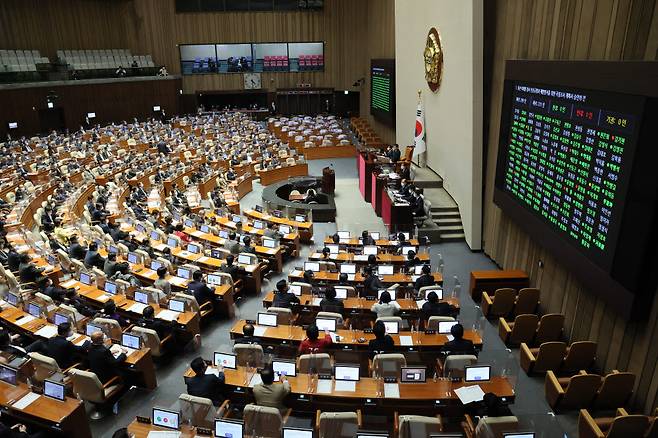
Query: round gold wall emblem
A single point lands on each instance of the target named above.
(433, 56)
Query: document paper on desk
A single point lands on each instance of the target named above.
(470, 394)
(25, 401)
(345, 386)
(324, 386)
(48, 331)
(25, 319)
(68, 284)
(406, 341)
(137, 308)
(259, 330)
(167, 315)
(163, 434)
(391, 390)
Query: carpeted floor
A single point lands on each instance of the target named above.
(356, 215)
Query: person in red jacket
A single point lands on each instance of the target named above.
(312, 344)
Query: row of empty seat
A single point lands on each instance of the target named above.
(103, 59)
(21, 60)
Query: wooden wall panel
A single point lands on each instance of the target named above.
(570, 29)
(111, 101)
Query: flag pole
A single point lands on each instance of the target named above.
(419, 99)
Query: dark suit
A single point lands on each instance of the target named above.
(103, 363)
(411, 263)
(437, 309)
(371, 285)
(29, 273)
(394, 155)
(232, 270)
(162, 328)
(63, 351)
(384, 345)
(76, 251)
(424, 280)
(55, 292)
(92, 258)
(13, 260)
(332, 305)
(206, 386)
(459, 346)
(285, 299)
(201, 292)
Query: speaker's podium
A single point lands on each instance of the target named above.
(328, 180)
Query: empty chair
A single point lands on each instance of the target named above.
(199, 411)
(337, 424)
(263, 421)
(284, 315)
(455, 363)
(320, 363)
(527, 301)
(249, 355)
(501, 304)
(574, 392)
(388, 365)
(333, 315)
(152, 340)
(412, 426)
(111, 325)
(548, 356)
(580, 356)
(549, 328)
(620, 426)
(489, 426)
(87, 387)
(615, 391)
(44, 366)
(433, 321)
(523, 329)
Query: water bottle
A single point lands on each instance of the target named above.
(441, 263)
(458, 287)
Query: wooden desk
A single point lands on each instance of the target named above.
(396, 217)
(385, 259)
(268, 177)
(140, 361)
(495, 279)
(141, 430)
(323, 152)
(305, 229)
(361, 305)
(382, 243)
(333, 277)
(66, 417)
(296, 334)
(368, 393)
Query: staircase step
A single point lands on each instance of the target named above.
(443, 223)
(429, 184)
(457, 237)
(446, 214)
(452, 228)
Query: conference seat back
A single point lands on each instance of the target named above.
(455, 363)
(548, 357)
(87, 387)
(319, 362)
(523, 329)
(284, 316)
(527, 301)
(616, 389)
(495, 427)
(550, 328)
(628, 426)
(388, 365)
(338, 424)
(197, 411)
(150, 339)
(44, 366)
(306, 287)
(578, 393)
(580, 356)
(433, 321)
(249, 354)
(412, 426)
(501, 304)
(333, 315)
(112, 327)
(262, 421)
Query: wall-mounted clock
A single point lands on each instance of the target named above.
(252, 81)
(433, 56)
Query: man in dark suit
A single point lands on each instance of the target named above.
(76, 250)
(205, 385)
(412, 260)
(13, 259)
(394, 154)
(48, 218)
(55, 292)
(371, 284)
(247, 335)
(29, 273)
(101, 360)
(246, 247)
(458, 345)
(434, 307)
(283, 298)
(200, 290)
(163, 148)
(148, 320)
(59, 348)
(7, 348)
(230, 268)
(366, 238)
(426, 279)
(93, 258)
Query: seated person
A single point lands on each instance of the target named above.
(330, 303)
(76, 251)
(55, 292)
(200, 290)
(325, 254)
(93, 258)
(110, 312)
(426, 278)
(371, 284)
(366, 238)
(230, 268)
(29, 273)
(492, 407)
(232, 244)
(458, 345)
(247, 336)
(269, 393)
(412, 260)
(178, 231)
(59, 347)
(162, 283)
(283, 298)
(149, 321)
(110, 265)
(101, 360)
(312, 343)
(6, 347)
(372, 262)
(205, 385)
(246, 247)
(385, 306)
(382, 343)
(343, 279)
(434, 307)
(401, 243)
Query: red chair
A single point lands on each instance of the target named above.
(266, 63)
(302, 62)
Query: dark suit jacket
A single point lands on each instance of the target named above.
(459, 346)
(384, 345)
(29, 273)
(424, 280)
(335, 305)
(207, 386)
(371, 285)
(162, 328)
(63, 351)
(232, 270)
(13, 260)
(438, 309)
(77, 251)
(286, 300)
(103, 363)
(201, 292)
(92, 258)
(55, 292)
